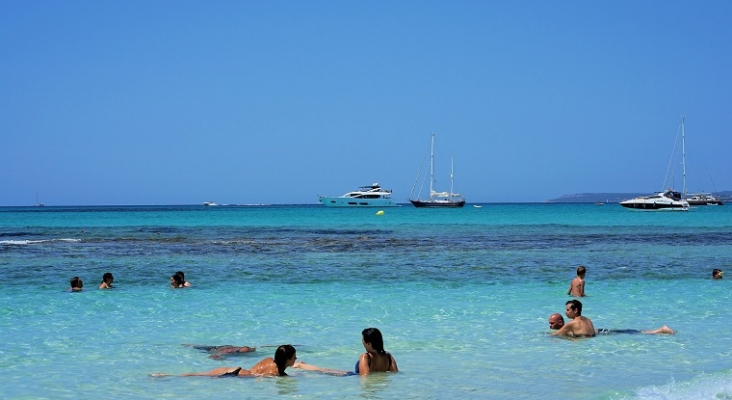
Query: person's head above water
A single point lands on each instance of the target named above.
(76, 283)
(373, 337)
(717, 274)
(581, 271)
(556, 321)
(284, 357)
(176, 281)
(573, 307)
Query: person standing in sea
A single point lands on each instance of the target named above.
(577, 286)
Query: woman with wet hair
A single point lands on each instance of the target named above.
(107, 280)
(375, 359)
(176, 282)
(183, 279)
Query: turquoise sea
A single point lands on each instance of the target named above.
(462, 297)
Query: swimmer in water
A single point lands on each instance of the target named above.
(219, 352)
(717, 274)
(107, 280)
(375, 359)
(577, 286)
(176, 282)
(579, 326)
(284, 357)
(556, 321)
(183, 279)
(76, 284)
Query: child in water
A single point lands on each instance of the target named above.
(577, 286)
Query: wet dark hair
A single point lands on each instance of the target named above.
(178, 280)
(107, 276)
(581, 270)
(76, 282)
(576, 305)
(283, 354)
(373, 336)
(182, 276)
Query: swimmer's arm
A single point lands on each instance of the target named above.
(564, 331)
(394, 367)
(310, 367)
(363, 365)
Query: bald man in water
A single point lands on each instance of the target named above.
(556, 321)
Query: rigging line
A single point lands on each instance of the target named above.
(712, 180)
(417, 179)
(671, 168)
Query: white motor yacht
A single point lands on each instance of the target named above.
(364, 196)
(669, 199)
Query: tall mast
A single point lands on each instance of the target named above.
(683, 159)
(452, 167)
(432, 164)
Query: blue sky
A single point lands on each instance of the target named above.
(177, 102)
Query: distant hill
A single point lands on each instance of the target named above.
(726, 196)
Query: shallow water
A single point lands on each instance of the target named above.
(462, 297)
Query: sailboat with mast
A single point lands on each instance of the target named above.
(38, 203)
(669, 199)
(438, 199)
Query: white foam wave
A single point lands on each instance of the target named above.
(26, 242)
(704, 386)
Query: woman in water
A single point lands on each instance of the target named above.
(284, 357)
(375, 359)
(183, 280)
(176, 282)
(107, 280)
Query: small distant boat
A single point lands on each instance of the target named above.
(38, 203)
(438, 199)
(365, 196)
(477, 206)
(668, 199)
(209, 203)
(704, 199)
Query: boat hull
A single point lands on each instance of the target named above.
(703, 200)
(705, 203)
(356, 203)
(668, 200)
(437, 204)
(654, 206)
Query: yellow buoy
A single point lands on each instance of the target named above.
(380, 212)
